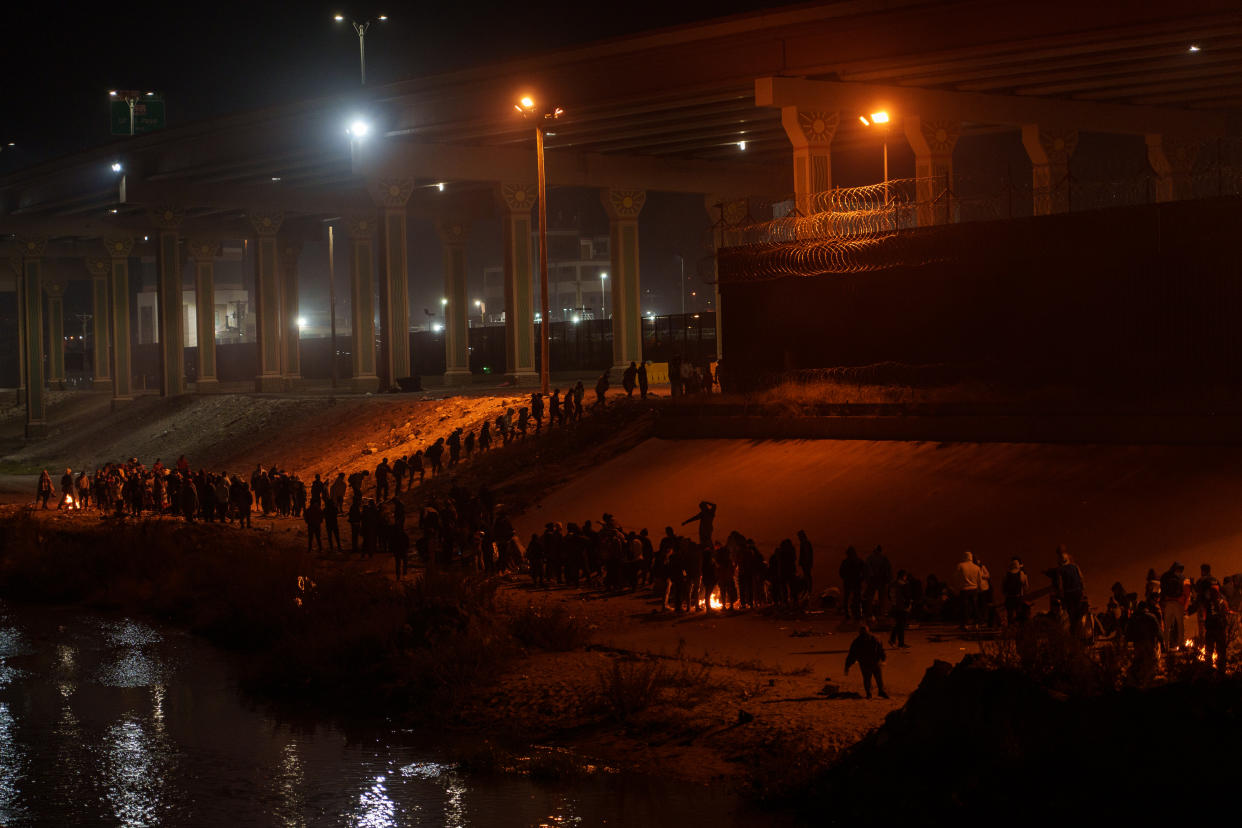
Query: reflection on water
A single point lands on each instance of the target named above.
(113, 722)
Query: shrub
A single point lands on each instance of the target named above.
(554, 629)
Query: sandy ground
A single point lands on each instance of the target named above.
(1120, 509)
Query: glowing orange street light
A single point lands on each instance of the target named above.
(526, 106)
(880, 117)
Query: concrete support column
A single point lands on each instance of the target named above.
(32, 346)
(362, 282)
(55, 335)
(169, 289)
(15, 264)
(390, 196)
(203, 254)
(101, 367)
(811, 133)
(290, 332)
(456, 312)
(1050, 152)
(933, 142)
(267, 299)
(119, 248)
(1173, 161)
(517, 200)
(623, 207)
(724, 214)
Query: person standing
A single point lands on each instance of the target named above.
(313, 515)
(1072, 590)
(381, 480)
(901, 600)
(879, 576)
(852, 571)
(868, 653)
(331, 524)
(44, 492)
(629, 379)
(1014, 587)
(806, 561)
(536, 410)
(967, 583)
(1173, 606)
(642, 380)
(706, 518)
(1214, 611)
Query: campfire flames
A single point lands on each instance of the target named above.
(1200, 652)
(712, 602)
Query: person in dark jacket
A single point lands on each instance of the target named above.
(629, 379)
(642, 380)
(867, 651)
(1070, 589)
(900, 600)
(853, 570)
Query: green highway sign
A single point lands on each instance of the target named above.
(148, 115)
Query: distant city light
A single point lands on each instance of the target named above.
(437, 327)
(1194, 47)
(741, 145)
(527, 102)
(112, 93)
(443, 301)
(338, 17)
(382, 17)
(440, 186)
(146, 238)
(576, 319)
(113, 211)
(301, 322)
(275, 177)
(116, 166)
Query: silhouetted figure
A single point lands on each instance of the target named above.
(44, 492)
(901, 600)
(629, 379)
(806, 560)
(536, 410)
(642, 380)
(674, 375)
(867, 651)
(314, 521)
(485, 437)
(706, 519)
(454, 446)
(331, 524)
(381, 480)
(1071, 590)
(852, 571)
(1173, 600)
(601, 387)
(554, 408)
(579, 392)
(1014, 587)
(967, 583)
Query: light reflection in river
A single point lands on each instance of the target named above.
(375, 808)
(12, 760)
(135, 776)
(290, 782)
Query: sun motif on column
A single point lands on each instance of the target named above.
(360, 227)
(1059, 145)
(167, 217)
(941, 136)
(267, 224)
(33, 246)
(626, 203)
(518, 197)
(118, 247)
(393, 192)
(819, 127)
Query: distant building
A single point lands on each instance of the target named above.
(233, 312)
(575, 287)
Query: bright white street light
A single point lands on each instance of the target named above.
(301, 323)
(359, 128)
(440, 186)
(116, 166)
(436, 327)
(443, 301)
(741, 145)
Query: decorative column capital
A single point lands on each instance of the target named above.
(360, 226)
(932, 136)
(32, 246)
(118, 247)
(518, 197)
(1173, 155)
(167, 217)
(451, 232)
(97, 267)
(55, 290)
(1049, 146)
(623, 204)
(810, 127)
(266, 223)
(391, 193)
(203, 250)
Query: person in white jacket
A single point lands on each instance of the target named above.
(967, 580)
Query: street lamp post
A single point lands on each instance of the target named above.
(482, 306)
(603, 302)
(882, 119)
(526, 106)
(332, 298)
(681, 263)
(361, 29)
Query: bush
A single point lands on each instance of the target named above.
(631, 686)
(554, 629)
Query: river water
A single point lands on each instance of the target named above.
(108, 721)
